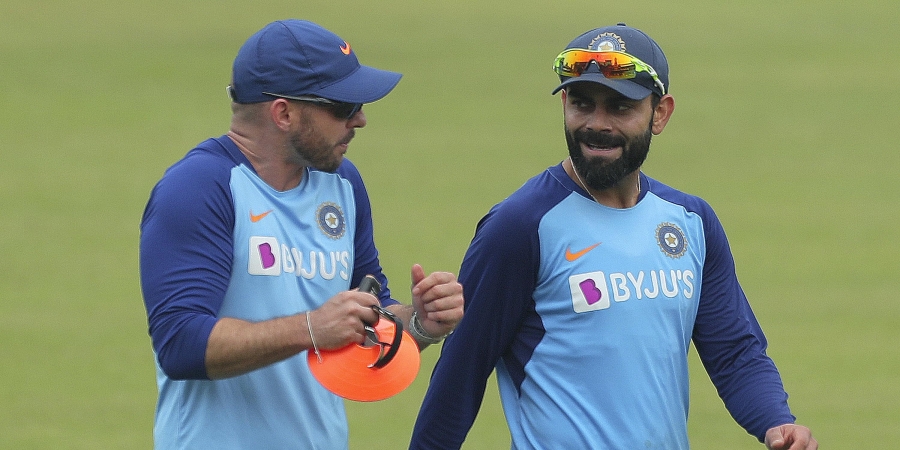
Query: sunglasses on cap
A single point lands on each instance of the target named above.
(612, 64)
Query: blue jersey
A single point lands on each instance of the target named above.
(217, 241)
(587, 314)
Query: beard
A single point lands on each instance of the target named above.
(599, 173)
(313, 150)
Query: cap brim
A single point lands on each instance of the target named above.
(346, 371)
(627, 88)
(365, 85)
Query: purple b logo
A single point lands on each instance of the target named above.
(591, 293)
(266, 255)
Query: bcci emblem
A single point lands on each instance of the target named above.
(606, 42)
(331, 220)
(671, 240)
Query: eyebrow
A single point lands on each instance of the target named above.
(613, 96)
(576, 95)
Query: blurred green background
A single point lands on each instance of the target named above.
(784, 111)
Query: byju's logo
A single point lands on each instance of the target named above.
(265, 256)
(589, 292)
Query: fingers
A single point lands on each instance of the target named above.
(438, 292)
(340, 321)
(443, 304)
(436, 285)
(438, 298)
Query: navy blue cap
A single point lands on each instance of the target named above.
(297, 57)
(626, 39)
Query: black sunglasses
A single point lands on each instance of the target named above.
(340, 110)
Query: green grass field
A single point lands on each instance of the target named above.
(782, 115)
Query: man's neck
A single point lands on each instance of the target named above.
(269, 162)
(623, 195)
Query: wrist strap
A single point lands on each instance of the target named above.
(418, 332)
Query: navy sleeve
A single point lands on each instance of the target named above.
(366, 261)
(498, 274)
(185, 260)
(731, 343)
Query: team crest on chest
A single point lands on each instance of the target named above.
(671, 240)
(331, 221)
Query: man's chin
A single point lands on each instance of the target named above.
(328, 166)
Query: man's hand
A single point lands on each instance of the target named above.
(237, 346)
(790, 437)
(339, 322)
(438, 300)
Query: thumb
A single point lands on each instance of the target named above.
(774, 439)
(417, 274)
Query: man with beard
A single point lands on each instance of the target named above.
(585, 288)
(253, 244)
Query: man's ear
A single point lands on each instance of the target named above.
(662, 113)
(281, 111)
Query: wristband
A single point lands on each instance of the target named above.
(415, 328)
(312, 339)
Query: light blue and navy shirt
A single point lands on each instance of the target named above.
(217, 241)
(587, 314)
